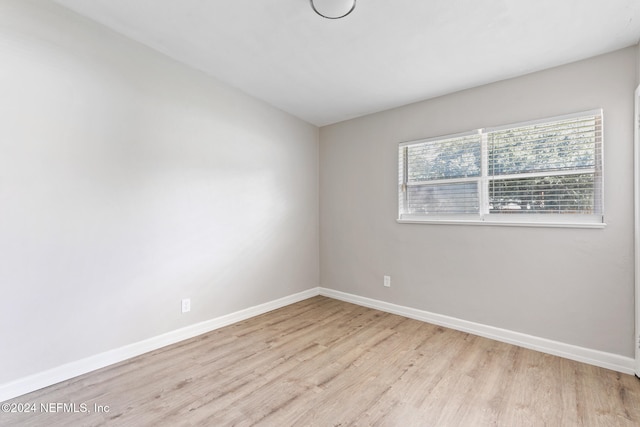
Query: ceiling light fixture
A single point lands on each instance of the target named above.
(333, 9)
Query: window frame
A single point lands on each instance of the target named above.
(484, 217)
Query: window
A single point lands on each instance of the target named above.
(546, 172)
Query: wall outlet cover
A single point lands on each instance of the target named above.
(186, 305)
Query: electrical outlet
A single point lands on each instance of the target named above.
(387, 281)
(186, 305)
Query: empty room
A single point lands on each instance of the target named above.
(319, 213)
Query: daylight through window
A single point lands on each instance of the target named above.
(548, 171)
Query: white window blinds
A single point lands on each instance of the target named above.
(546, 171)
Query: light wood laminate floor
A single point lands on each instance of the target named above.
(323, 362)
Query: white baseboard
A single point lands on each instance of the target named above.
(70, 370)
(602, 359)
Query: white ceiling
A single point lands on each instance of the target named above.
(385, 54)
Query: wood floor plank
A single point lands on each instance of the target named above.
(323, 362)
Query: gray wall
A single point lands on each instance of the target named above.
(638, 65)
(128, 182)
(570, 285)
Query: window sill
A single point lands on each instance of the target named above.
(599, 225)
